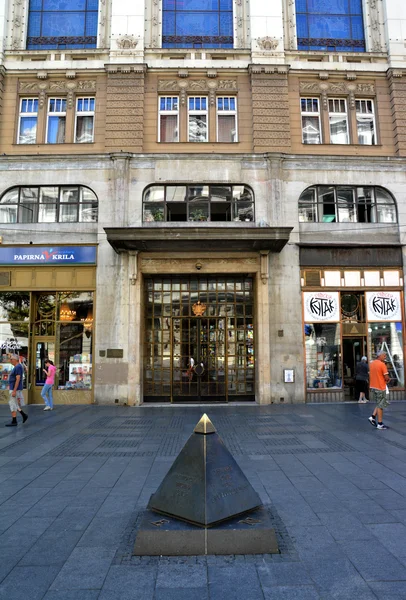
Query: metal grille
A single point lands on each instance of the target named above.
(221, 341)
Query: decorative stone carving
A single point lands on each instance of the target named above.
(227, 85)
(211, 73)
(268, 43)
(339, 87)
(170, 85)
(127, 42)
(198, 85)
(66, 87)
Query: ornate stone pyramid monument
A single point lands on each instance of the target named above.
(205, 485)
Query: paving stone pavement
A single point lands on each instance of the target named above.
(73, 482)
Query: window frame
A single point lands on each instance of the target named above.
(163, 205)
(89, 113)
(166, 112)
(198, 112)
(37, 204)
(58, 114)
(27, 114)
(340, 113)
(311, 114)
(315, 203)
(373, 114)
(227, 113)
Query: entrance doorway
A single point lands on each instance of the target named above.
(353, 350)
(199, 339)
(44, 349)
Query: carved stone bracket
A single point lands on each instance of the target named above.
(277, 69)
(396, 73)
(126, 68)
(264, 266)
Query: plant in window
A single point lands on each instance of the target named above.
(198, 214)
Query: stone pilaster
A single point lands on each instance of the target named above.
(124, 108)
(270, 109)
(397, 86)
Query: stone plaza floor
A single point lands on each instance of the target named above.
(73, 481)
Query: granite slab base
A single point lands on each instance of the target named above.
(161, 535)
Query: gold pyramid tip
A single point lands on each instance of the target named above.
(205, 425)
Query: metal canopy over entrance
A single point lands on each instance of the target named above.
(199, 339)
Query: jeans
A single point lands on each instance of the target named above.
(47, 391)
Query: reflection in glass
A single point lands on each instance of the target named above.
(323, 362)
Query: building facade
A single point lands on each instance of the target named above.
(202, 201)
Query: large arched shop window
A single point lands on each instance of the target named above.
(49, 204)
(347, 204)
(199, 202)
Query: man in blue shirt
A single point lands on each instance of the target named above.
(15, 382)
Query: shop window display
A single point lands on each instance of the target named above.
(389, 338)
(323, 363)
(14, 333)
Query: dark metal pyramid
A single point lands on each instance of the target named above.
(205, 485)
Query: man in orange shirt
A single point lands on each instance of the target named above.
(378, 378)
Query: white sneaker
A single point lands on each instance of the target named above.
(47, 408)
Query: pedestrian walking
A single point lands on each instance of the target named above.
(378, 379)
(46, 393)
(361, 379)
(16, 397)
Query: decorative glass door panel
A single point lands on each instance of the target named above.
(199, 342)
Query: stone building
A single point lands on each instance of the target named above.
(202, 201)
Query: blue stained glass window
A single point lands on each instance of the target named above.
(62, 24)
(330, 25)
(197, 24)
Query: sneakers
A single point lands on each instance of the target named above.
(47, 408)
(373, 422)
(381, 426)
(362, 401)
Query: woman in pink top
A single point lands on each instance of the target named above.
(46, 393)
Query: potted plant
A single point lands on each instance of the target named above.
(198, 214)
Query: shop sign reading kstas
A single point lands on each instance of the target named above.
(321, 306)
(383, 306)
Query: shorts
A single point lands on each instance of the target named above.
(380, 397)
(361, 386)
(15, 402)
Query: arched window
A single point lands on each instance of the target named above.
(347, 204)
(197, 24)
(49, 204)
(335, 25)
(198, 203)
(62, 24)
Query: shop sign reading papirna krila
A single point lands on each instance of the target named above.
(384, 306)
(321, 306)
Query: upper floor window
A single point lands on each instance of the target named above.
(49, 204)
(198, 203)
(198, 120)
(347, 204)
(56, 122)
(311, 126)
(84, 125)
(168, 122)
(197, 24)
(61, 24)
(227, 119)
(27, 122)
(336, 25)
(366, 128)
(337, 113)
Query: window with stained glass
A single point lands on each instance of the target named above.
(197, 24)
(62, 24)
(330, 25)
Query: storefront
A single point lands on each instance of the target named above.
(347, 314)
(47, 307)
